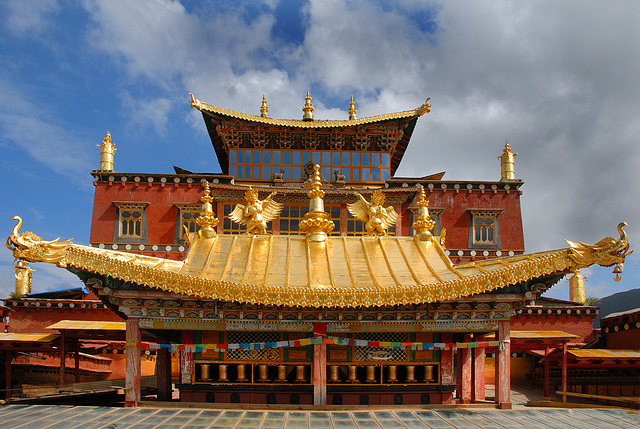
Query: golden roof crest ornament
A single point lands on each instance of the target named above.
(264, 110)
(606, 252)
(195, 103)
(376, 217)
(107, 152)
(316, 223)
(256, 213)
(29, 247)
(207, 219)
(352, 110)
(423, 223)
(425, 108)
(308, 108)
(507, 170)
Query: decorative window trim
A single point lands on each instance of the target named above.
(193, 209)
(122, 207)
(486, 214)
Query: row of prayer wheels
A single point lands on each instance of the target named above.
(392, 374)
(262, 375)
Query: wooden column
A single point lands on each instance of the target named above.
(503, 366)
(186, 359)
(464, 360)
(133, 378)
(76, 361)
(343, 219)
(564, 371)
(320, 366)
(220, 216)
(546, 396)
(7, 373)
(477, 392)
(163, 374)
(63, 355)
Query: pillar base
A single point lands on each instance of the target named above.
(505, 406)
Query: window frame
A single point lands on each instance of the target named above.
(121, 208)
(493, 214)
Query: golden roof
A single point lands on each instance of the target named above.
(535, 335)
(295, 270)
(295, 123)
(605, 354)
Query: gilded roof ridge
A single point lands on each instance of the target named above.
(297, 123)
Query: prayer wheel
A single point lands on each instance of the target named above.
(242, 372)
(393, 374)
(222, 373)
(205, 372)
(353, 375)
(333, 374)
(300, 374)
(428, 374)
(282, 374)
(411, 374)
(262, 373)
(371, 374)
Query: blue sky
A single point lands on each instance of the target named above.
(559, 80)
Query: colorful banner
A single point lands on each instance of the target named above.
(314, 340)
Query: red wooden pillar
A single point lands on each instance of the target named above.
(464, 383)
(76, 361)
(163, 374)
(446, 365)
(343, 219)
(186, 359)
(133, 379)
(564, 370)
(320, 366)
(503, 366)
(7, 373)
(546, 375)
(477, 392)
(63, 355)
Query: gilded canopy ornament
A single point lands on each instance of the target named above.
(423, 223)
(316, 223)
(376, 217)
(29, 247)
(425, 108)
(107, 152)
(207, 219)
(256, 213)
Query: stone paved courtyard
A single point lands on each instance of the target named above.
(90, 417)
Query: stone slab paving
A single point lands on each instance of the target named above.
(90, 417)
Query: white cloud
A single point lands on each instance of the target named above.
(29, 17)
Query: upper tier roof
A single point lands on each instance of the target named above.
(386, 133)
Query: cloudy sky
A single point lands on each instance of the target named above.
(559, 80)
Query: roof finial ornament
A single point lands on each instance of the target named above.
(425, 108)
(207, 219)
(107, 151)
(194, 102)
(264, 110)
(576, 288)
(423, 223)
(507, 169)
(257, 212)
(316, 223)
(377, 218)
(352, 110)
(308, 108)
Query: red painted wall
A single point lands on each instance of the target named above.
(581, 325)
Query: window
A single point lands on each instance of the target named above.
(131, 225)
(262, 164)
(484, 231)
(187, 215)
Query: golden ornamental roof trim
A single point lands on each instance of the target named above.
(297, 123)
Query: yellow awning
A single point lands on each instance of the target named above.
(87, 325)
(27, 338)
(605, 354)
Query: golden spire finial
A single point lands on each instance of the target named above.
(107, 151)
(264, 110)
(308, 108)
(576, 288)
(425, 108)
(507, 170)
(352, 109)
(194, 102)
(423, 223)
(316, 223)
(207, 219)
